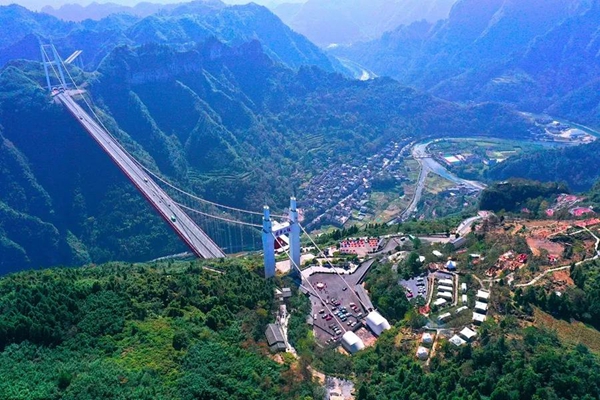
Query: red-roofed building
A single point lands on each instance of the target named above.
(360, 246)
(581, 211)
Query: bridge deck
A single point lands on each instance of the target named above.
(198, 241)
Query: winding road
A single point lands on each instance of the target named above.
(429, 165)
(548, 271)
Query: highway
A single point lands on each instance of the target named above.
(198, 241)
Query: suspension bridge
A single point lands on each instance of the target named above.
(209, 229)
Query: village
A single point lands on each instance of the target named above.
(344, 189)
(454, 290)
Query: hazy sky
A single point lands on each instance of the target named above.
(37, 4)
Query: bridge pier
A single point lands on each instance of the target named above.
(271, 233)
(268, 243)
(294, 236)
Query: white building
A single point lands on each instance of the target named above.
(445, 288)
(447, 282)
(465, 299)
(480, 306)
(445, 295)
(437, 254)
(483, 295)
(478, 318)
(461, 309)
(422, 353)
(440, 302)
(377, 323)
(444, 317)
(457, 341)
(352, 343)
(468, 334)
(463, 287)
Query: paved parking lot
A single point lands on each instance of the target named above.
(413, 285)
(333, 288)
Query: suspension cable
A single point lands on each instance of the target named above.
(217, 217)
(141, 165)
(201, 199)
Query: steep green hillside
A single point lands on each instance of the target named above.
(141, 332)
(178, 331)
(572, 165)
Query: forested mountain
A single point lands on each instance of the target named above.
(231, 104)
(182, 26)
(327, 22)
(180, 332)
(572, 165)
(537, 55)
(142, 333)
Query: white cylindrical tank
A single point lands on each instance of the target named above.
(352, 343)
(377, 323)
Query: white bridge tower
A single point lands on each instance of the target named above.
(284, 234)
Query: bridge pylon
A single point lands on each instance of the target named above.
(52, 64)
(281, 235)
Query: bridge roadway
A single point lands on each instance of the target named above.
(198, 241)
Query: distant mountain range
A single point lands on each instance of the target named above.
(536, 55)
(96, 11)
(328, 22)
(182, 26)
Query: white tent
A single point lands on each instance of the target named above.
(422, 353)
(483, 295)
(377, 323)
(352, 343)
(468, 334)
(457, 341)
(427, 338)
(445, 295)
(480, 306)
(439, 302)
(478, 318)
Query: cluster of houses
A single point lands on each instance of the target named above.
(472, 158)
(558, 131)
(508, 261)
(568, 201)
(360, 246)
(333, 195)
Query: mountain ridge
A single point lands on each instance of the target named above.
(516, 52)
